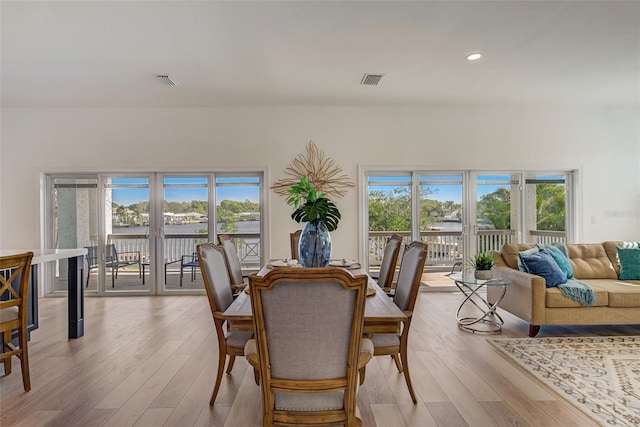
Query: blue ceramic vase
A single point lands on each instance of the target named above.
(315, 244)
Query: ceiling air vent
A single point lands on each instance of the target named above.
(371, 79)
(166, 80)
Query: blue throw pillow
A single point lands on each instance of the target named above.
(526, 253)
(542, 264)
(561, 259)
(629, 263)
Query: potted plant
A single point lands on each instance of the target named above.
(482, 262)
(321, 216)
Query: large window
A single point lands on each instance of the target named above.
(142, 230)
(464, 212)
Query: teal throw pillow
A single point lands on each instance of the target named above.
(528, 252)
(543, 265)
(629, 263)
(561, 259)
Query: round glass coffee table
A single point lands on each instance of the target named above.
(488, 320)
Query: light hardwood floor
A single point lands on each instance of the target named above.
(150, 361)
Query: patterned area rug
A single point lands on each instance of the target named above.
(599, 375)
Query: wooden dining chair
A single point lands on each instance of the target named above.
(308, 344)
(389, 262)
(406, 293)
(216, 283)
(294, 239)
(232, 261)
(13, 311)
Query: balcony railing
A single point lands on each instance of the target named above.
(547, 237)
(176, 245)
(445, 247)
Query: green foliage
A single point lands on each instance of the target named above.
(309, 205)
(392, 212)
(550, 207)
(494, 210)
(481, 261)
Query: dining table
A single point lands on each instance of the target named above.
(381, 314)
(75, 294)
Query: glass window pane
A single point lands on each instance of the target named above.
(238, 215)
(545, 208)
(389, 212)
(186, 225)
(441, 217)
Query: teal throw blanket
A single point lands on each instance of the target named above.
(572, 289)
(578, 291)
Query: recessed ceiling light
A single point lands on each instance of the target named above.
(474, 56)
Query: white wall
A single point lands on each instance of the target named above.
(603, 144)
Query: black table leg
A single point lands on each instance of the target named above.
(76, 297)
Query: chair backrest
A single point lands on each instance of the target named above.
(232, 260)
(215, 276)
(294, 239)
(308, 324)
(15, 268)
(389, 261)
(410, 275)
(110, 254)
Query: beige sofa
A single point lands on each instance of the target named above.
(617, 302)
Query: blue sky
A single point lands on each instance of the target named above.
(188, 189)
(445, 187)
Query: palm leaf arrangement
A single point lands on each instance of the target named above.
(310, 204)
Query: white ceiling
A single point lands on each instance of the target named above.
(241, 53)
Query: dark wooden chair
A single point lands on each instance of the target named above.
(14, 287)
(294, 239)
(113, 260)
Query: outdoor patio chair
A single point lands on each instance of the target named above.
(113, 260)
(13, 311)
(191, 262)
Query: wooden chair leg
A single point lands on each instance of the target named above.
(405, 365)
(222, 356)
(363, 372)
(24, 359)
(230, 365)
(397, 360)
(6, 340)
(256, 376)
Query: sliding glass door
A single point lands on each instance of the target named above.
(497, 211)
(71, 222)
(124, 247)
(461, 213)
(141, 230)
